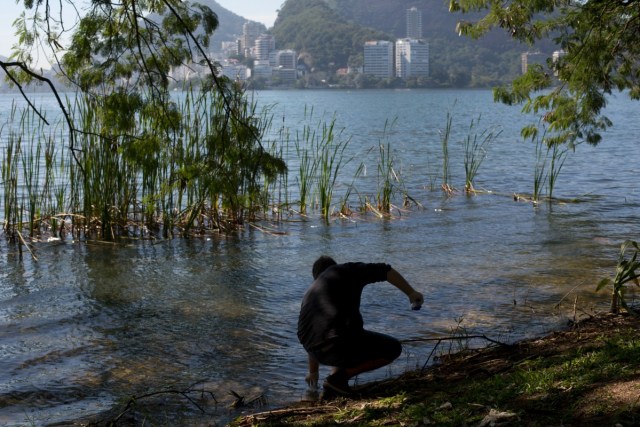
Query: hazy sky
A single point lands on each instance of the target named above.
(256, 10)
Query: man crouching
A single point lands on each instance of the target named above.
(330, 326)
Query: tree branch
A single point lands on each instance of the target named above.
(67, 117)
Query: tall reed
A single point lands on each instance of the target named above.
(388, 179)
(445, 135)
(558, 157)
(539, 173)
(305, 143)
(24, 198)
(475, 151)
(550, 158)
(345, 208)
(330, 148)
(10, 184)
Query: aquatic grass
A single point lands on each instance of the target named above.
(273, 193)
(10, 184)
(224, 171)
(445, 136)
(320, 150)
(549, 160)
(108, 180)
(50, 205)
(627, 270)
(329, 148)
(345, 208)
(388, 178)
(558, 157)
(282, 148)
(24, 201)
(432, 174)
(539, 174)
(304, 143)
(475, 151)
(30, 161)
(211, 173)
(210, 169)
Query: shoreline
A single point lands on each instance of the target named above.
(586, 374)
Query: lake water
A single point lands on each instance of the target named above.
(88, 325)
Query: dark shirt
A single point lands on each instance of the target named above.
(331, 307)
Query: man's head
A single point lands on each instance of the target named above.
(321, 265)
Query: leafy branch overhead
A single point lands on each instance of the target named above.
(107, 41)
(178, 160)
(600, 54)
(115, 50)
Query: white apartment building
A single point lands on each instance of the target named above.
(262, 70)
(286, 59)
(532, 58)
(236, 72)
(412, 58)
(287, 75)
(414, 23)
(555, 58)
(250, 33)
(265, 43)
(378, 58)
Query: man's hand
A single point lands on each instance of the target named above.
(312, 379)
(416, 299)
(312, 376)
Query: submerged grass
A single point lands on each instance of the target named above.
(445, 136)
(389, 180)
(206, 170)
(208, 163)
(475, 151)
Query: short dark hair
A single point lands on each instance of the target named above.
(321, 265)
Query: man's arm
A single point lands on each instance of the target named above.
(415, 298)
(312, 375)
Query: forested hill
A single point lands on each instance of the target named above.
(321, 34)
(333, 31)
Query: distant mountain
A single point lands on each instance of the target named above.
(230, 24)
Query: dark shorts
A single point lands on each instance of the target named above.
(351, 352)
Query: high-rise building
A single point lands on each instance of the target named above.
(265, 43)
(286, 59)
(556, 57)
(378, 58)
(262, 70)
(528, 59)
(250, 33)
(412, 58)
(414, 23)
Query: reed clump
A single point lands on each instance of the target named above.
(476, 144)
(203, 168)
(198, 162)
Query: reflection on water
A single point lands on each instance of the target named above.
(90, 325)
